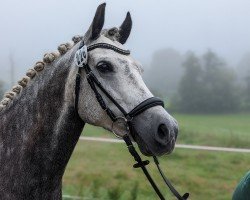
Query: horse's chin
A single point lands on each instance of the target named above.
(145, 151)
(160, 151)
(143, 147)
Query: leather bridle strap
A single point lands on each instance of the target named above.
(93, 82)
(128, 117)
(148, 103)
(142, 164)
(168, 183)
(108, 46)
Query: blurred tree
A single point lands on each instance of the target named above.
(243, 68)
(246, 93)
(190, 88)
(220, 85)
(1, 89)
(207, 85)
(165, 72)
(248, 87)
(243, 71)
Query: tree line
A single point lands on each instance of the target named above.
(201, 84)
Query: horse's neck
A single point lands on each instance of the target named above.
(38, 133)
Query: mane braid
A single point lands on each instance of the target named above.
(39, 66)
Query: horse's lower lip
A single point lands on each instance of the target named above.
(161, 149)
(146, 152)
(143, 147)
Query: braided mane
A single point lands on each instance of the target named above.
(38, 67)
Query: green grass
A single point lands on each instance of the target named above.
(215, 130)
(104, 170)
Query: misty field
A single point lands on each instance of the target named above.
(104, 170)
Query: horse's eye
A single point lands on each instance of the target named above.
(104, 67)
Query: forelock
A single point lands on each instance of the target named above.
(112, 33)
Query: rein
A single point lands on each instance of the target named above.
(81, 58)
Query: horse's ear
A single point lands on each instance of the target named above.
(125, 29)
(97, 23)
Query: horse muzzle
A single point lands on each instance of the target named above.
(156, 132)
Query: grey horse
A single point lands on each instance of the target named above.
(39, 125)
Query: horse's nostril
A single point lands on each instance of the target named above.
(163, 131)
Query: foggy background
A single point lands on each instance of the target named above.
(196, 54)
(196, 57)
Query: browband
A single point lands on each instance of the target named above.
(81, 55)
(108, 46)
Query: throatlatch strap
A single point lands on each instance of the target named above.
(77, 88)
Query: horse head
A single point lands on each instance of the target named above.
(121, 76)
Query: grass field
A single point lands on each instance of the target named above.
(104, 170)
(215, 130)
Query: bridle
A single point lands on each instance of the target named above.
(81, 58)
(81, 61)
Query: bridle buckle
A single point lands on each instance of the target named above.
(120, 119)
(129, 118)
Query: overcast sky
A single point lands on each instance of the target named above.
(30, 28)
